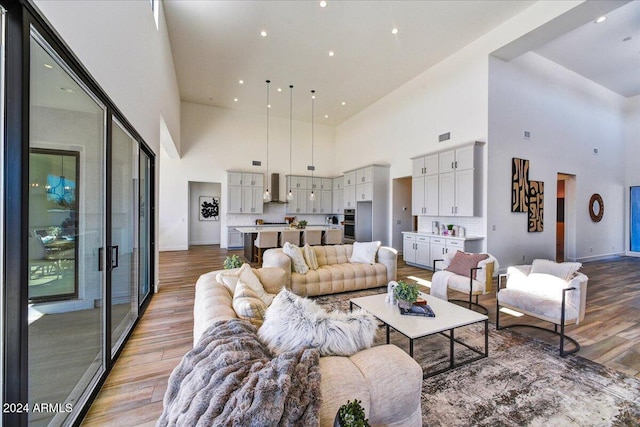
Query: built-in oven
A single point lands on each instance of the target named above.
(349, 225)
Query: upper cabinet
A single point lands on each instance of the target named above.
(244, 192)
(323, 190)
(448, 183)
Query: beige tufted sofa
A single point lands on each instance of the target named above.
(385, 378)
(335, 273)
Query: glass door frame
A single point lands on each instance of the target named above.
(20, 17)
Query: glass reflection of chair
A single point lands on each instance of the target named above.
(40, 264)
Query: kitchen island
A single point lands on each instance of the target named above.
(250, 233)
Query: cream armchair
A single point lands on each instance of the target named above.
(471, 275)
(546, 290)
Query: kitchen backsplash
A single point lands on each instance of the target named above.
(474, 226)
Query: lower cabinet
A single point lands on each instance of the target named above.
(420, 250)
(234, 239)
(415, 250)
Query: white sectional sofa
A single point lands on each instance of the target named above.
(335, 273)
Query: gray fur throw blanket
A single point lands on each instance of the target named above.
(231, 379)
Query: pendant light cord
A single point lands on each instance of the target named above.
(290, 133)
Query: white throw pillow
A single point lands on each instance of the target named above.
(364, 252)
(249, 277)
(563, 270)
(294, 252)
(310, 256)
(229, 278)
(248, 305)
(292, 323)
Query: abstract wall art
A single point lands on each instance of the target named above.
(536, 206)
(520, 185)
(209, 208)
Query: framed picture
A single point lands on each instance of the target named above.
(520, 185)
(536, 206)
(209, 208)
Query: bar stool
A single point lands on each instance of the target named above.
(312, 237)
(291, 236)
(265, 240)
(332, 237)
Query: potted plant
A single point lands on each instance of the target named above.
(351, 414)
(232, 261)
(302, 223)
(406, 293)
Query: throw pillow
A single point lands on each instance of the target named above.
(364, 252)
(292, 323)
(297, 260)
(462, 263)
(310, 256)
(229, 278)
(249, 277)
(563, 270)
(248, 305)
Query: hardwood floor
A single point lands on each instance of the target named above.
(132, 394)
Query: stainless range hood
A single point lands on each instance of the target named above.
(274, 187)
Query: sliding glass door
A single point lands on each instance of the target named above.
(145, 203)
(124, 233)
(66, 234)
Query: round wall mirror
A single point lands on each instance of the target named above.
(596, 207)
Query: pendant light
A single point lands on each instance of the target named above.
(312, 196)
(290, 194)
(266, 196)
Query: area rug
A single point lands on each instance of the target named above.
(523, 382)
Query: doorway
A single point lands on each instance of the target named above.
(565, 217)
(402, 220)
(204, 213)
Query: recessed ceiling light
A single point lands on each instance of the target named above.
(268, 105)
(326, 116)
(279, 89)
(234, 99)
(263, 33)
(323, 3)
(394, 31)
(313, 97)
(600, 19)
(331, 53)
(344, 103)
(49, 66)
(241, 82)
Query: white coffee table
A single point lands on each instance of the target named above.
(448, 317)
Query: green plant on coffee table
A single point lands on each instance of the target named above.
(232, 261)
(351, 414)
(408, 292)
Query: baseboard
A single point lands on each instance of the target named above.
(173, 248)
(205, 242)
(600, 257)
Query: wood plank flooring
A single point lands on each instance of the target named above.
(132, 394)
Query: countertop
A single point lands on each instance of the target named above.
(276, 227)
(425, 233)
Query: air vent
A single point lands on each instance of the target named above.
(256, 163)
(311, 168)
(444, 137)
(526, 134)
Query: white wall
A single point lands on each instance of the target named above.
(202, 232)
(567, 116)
(216, 140)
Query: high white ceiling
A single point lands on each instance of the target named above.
(217, 43)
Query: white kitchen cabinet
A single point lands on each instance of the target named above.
(364, 192)
(338, 201)
(244, 192)
(426, 165)
(338, 183)
(441, 245)
(415, 249)
(438, 247)
(349, 196)
(326, 201)
(350, 178)
(460, 181)
(234, 240)
(364, 175)
(425, 195)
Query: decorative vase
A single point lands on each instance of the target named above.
(336, 420)
(404, 304)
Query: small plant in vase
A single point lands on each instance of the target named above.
(302, 223)
(232, 261)
(351, 414)
(406, 293)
